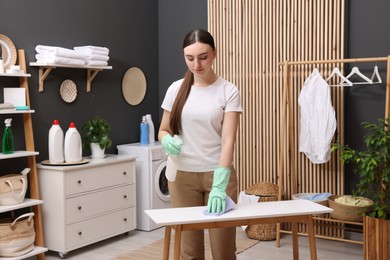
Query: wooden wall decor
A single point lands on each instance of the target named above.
(252, 38)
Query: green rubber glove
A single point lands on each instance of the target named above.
(217, 197)
(172, 145)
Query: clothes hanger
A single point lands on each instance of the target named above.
(376, 75)
(355, 71)
(344, 81)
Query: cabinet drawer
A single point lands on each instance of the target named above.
(77, 208)
(99, 177)
(86, 232)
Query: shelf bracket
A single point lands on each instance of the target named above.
(91, 74)
(43, 73)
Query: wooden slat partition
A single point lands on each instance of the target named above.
(252, 37)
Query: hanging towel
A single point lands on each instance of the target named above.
(59, 52)
(318, 120)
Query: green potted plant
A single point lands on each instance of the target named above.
(373, 167)
(95, 136)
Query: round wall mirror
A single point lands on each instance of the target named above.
(134, 86)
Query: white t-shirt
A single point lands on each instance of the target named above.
(202, 119)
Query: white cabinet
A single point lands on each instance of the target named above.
(87, 203)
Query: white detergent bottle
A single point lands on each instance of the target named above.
(72, 145)
(151, 128)
(56, 143)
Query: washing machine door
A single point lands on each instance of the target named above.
(161, 182)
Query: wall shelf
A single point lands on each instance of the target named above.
(46, 68)
(26, 203)
(14, 111)
(17, 154)
(15, 75)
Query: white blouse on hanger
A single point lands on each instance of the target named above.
(318, 121)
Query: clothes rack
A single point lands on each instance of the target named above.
(287, 117)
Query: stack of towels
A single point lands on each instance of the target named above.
(94, 55)
(81, 55)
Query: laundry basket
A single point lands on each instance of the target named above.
(266, 192)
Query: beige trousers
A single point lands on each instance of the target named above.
(192, 189)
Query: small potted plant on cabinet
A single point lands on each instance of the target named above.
(95, 136)
(373, 167)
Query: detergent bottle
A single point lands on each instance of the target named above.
(56, 143)
(72, 145)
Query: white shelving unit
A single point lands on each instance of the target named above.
(34, 200)
(46, 68)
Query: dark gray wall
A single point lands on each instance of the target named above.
(367, 35)
(176, 18)
(129, 28)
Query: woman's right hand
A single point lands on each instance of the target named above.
(172, 145)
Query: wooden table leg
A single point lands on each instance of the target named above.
(312, 239)
(167, 242)
(178, 230)
(278, 235)
(294, 229)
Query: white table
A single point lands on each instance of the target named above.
(193, 218)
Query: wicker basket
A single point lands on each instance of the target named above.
(266, 192)
(13, 189)
(348, 212)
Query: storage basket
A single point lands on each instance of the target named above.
(17, 236)
(266, 192)
(13, 189)
(348, 212)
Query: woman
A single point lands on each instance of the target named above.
(198, 131)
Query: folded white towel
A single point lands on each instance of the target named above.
(97, 57)
(59, 51)
(93, 49)
(97, 63)
(58, 60)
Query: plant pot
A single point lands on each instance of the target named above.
(97, 152)
(376, 238)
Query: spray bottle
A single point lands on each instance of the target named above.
(8, 139)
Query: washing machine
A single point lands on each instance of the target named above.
(152, 184)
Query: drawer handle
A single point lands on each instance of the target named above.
(124, 173)
(80, 233)
(125, 219)
(125, 196)
(79, 207)
(79, 181)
